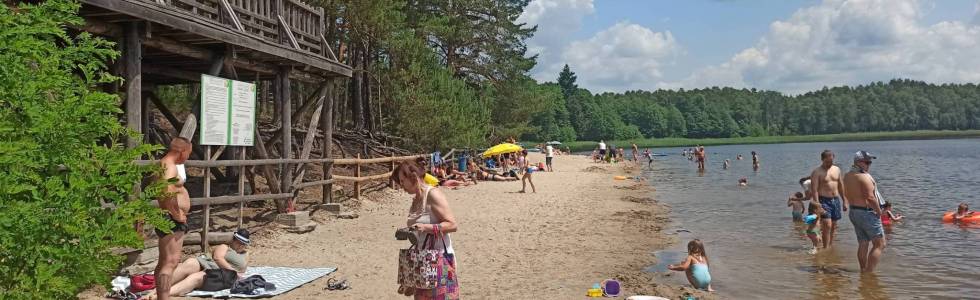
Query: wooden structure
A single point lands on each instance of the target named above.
(269, 42)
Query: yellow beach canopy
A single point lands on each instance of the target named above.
(502, 149)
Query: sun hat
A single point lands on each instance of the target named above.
(242, 235)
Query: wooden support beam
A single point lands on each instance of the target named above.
(241, 190)
(172, 73)
(357, 184)
(304, 185)
(214, 238)
(232, 199)
(284, 27)
(165, 111)
(267, 171)
(327, 49)
(310, 137)
(175, 47)
(207, 207)
(286, 178)
(303, 109)
(261, 162)
(326, 125)
(232, 16)
(133, 80)
(187, 22)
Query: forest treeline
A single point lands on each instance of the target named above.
(455, 73)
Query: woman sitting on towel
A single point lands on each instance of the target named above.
(189, 274)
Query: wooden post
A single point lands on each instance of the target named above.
(357, 173)
(207, 207)
(391, 168)
(241, 191)
(326, 125)
(133, 77)
(286, 178)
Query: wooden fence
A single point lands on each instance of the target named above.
(326, 183)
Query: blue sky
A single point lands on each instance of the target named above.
(786, 45)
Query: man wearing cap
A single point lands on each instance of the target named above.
(861, 190)
(189, 275)
(826, 188)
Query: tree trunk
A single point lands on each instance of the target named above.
(366, 88)
(357, 86)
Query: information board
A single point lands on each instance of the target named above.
(227, 112)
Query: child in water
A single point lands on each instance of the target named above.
(743, 181)
(962, 211)
(887, 215)
(695, 266)
(796, 202)
(812, 220)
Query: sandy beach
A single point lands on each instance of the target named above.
(579, 228)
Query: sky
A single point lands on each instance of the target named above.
(791, 46)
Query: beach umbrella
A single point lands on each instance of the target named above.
(502, 149)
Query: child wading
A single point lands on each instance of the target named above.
(812, 221)
(695, 266)
(796, 202)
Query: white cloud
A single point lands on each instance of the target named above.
(622, 57)
(557, 20)
(851, 42)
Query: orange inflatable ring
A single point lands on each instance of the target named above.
(971, 217)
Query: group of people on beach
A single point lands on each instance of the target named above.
(831, 193)
(610, 154)
(429, 215)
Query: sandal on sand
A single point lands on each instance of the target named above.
(334, 285)
(406, 291)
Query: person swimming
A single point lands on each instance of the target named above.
(743, 181)
(962, 211)
(887, 215)
(695, 266)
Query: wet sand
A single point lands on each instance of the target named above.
(579, 228)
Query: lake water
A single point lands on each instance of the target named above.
(757, 252)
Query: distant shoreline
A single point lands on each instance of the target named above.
(840, 137)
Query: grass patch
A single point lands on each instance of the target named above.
(822, 138)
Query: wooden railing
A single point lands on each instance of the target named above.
(295, 187)
(290, 22)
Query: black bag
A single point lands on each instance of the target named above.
(248, 285)
(218, 279)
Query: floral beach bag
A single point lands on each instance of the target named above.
(425, 267)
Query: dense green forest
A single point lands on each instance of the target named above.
(455, 73)
(727, 112)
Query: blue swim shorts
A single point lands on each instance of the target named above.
(832, 206)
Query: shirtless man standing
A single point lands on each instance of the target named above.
(176, 203)
(865, 211)
(828, 189)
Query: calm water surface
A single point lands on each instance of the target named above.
(757, 252)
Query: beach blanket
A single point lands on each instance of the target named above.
(284, 278)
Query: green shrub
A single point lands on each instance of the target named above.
(61, 157)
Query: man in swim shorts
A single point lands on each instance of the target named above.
(865, 213)
(826, 187)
